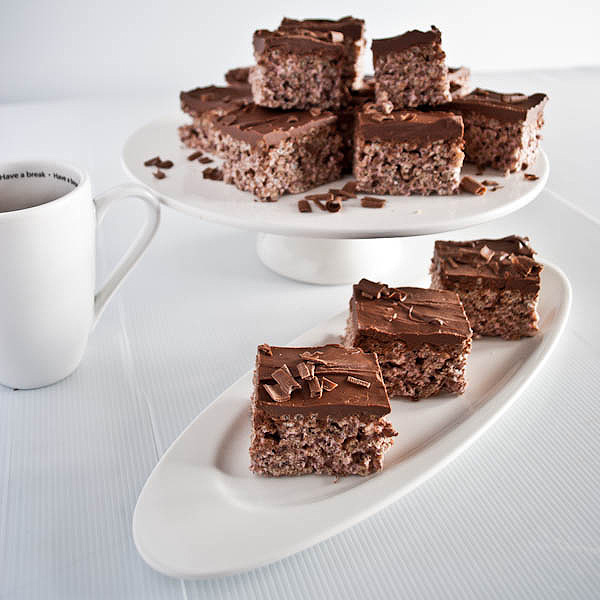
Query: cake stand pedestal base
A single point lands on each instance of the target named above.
(337, 262)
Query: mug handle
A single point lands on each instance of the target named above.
(139, 245)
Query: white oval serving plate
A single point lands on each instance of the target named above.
(202, 513)
(184, 189)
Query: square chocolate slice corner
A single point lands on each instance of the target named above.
(421, 337)
(318, 410)
(502, 131)
(351, 28)
(408, 152)
(498, 282)
(270, 153)
(410, 69)
(202, 103)
(298, 69)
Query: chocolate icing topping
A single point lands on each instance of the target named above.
(406, 40)
(201, 100)
(414, 315)
(409, 125)
(257, 125)
(351, 28)
(504, 107)
(338, 397)
(500, 263)
(298, 42)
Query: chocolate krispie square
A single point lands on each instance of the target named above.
(201, 102)
(460, 81)
(498, 282)
(298, 69)
(408, 152)
(318, 410)
(270, 153)
(502, 131)
(421, 337)
(410, 69)
(353, 31)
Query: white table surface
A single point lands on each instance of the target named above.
(516, 516)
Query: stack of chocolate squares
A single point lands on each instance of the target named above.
(303, 114)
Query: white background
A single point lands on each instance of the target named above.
(515, 516)
(61, 48)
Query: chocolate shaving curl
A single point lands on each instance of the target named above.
(472, 186)
(357, 381)
(265, 349)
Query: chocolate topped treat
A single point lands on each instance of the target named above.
(353, 31)
(392, 45)
(460, 81)
(318, 410)
(498, 282)
(408, 152)
(257, 125)
(270, 153)
(421, 337)
(298, 69)
(503, 263)
(409, 126)
(501, 130)
(332, 362)
(202, 102)
(410, 69)
(238, 76)
(297, 42)
(513, 108)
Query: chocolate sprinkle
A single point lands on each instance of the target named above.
(317, 197)
(304, 206)
(276, 393)
(195, 155)
(489, 182)
(284, 378)
(371, 202)
(313, 356)
(306, 370)
(472, 186)
(329, 385)
(486, 253)
(213, 173)
(530, 177)
(205, 160)
(265, 349)
(333, 205)
(152, 162)
(164, 164)
(357, 381)
(315, 388)
(371, 290)
(159, 174)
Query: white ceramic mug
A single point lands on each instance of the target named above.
(48, 303)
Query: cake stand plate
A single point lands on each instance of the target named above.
(317, 247)
(203, 514)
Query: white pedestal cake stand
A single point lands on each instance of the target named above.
(321, 247)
